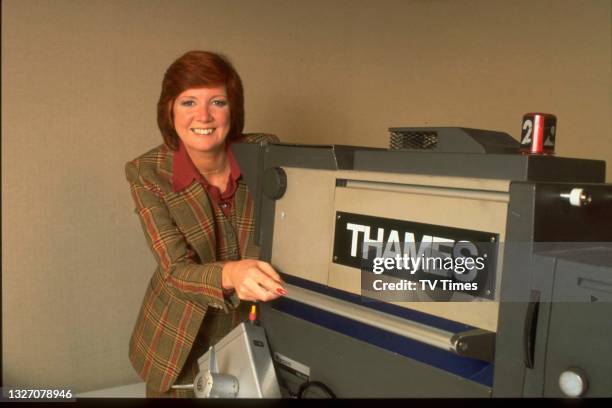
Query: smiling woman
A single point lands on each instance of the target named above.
(198, 219)
(202, 122)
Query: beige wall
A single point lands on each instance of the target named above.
(79, 86)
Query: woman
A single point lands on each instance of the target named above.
(197, 215)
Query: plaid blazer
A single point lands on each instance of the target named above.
(190, 240)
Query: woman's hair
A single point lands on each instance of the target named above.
(199, 69)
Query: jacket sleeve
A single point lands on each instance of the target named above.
(182, 275)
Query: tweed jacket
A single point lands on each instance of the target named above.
(190, 247)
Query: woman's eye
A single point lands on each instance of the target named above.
(219, 102)
(188, 103)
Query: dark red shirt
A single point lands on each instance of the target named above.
(184, 172)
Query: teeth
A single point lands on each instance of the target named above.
(203, 131)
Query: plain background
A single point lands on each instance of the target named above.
(80, 81)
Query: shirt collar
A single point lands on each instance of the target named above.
(184, 172)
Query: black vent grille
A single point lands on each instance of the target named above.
(422, 140)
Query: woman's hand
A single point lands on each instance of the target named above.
(252, 280)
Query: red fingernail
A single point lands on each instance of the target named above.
(281, 291)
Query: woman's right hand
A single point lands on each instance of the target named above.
(252, 280)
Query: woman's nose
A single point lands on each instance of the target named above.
(203, 114)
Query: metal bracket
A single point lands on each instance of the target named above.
(477, 343)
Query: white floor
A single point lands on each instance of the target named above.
(124, 391)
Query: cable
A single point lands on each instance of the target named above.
(309, 384)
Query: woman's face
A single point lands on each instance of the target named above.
(202, 119)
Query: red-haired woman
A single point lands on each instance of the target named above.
(197, 215)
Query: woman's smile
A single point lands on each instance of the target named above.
(201, 131)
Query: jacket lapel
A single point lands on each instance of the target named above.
(194, 216)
